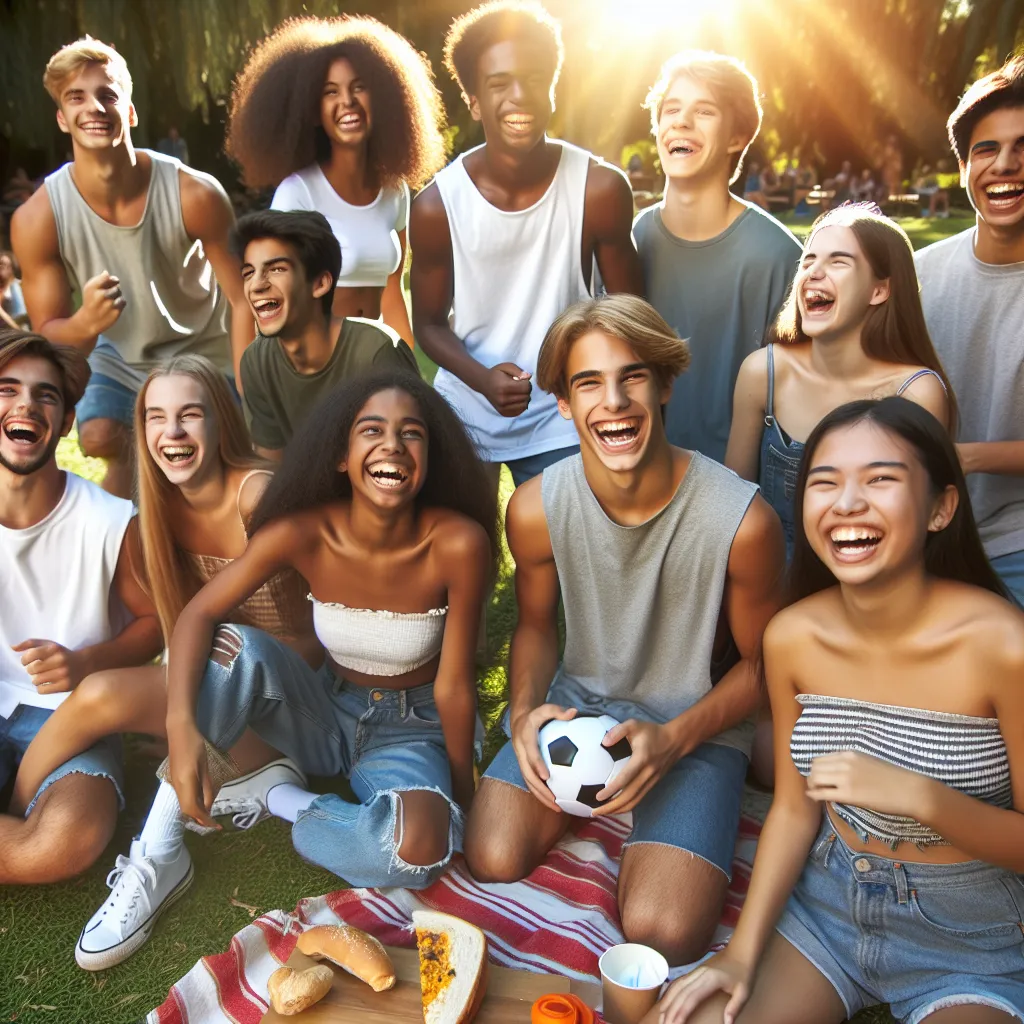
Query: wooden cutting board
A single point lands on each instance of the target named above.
(510, 994)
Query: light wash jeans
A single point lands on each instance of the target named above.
(1011, 571)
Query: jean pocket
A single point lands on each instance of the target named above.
(986, 915)
(423, 714)
(789, 468)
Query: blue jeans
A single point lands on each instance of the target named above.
(533, 465)
(920, 937)
(385, 742)
(17, 732)
(1010, 569)
(694, 807)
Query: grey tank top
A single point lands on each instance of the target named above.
(172, 302)
(642, 602)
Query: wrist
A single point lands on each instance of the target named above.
(680, 736)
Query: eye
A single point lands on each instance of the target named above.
(6, 389)
(706, 113)
(882, 478)
(413, 434)
(369, 431)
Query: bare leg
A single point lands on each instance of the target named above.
(509, 832)
(67, 830)
(968, 1015)
(422, 827)
(110, 440)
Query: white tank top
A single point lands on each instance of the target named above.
(368, 235)
(55, 584)
(514, 273)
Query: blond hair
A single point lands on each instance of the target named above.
(728, 78)
(623, 316)
(172, 579)
(70, 59)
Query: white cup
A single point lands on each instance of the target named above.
(631, 979)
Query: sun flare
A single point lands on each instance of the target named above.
(644, 16)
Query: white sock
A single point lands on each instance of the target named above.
(286, 801)
(164, 827)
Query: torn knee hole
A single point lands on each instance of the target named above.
(227, 645)
(422, 848)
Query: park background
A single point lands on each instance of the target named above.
(838, 78)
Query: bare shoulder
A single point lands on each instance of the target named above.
(33, 225)
(605, 182)
(760, 525)
(428, 218)
(459, 538)
(526, 525)
(928, 391)
(789, 629)
(254, 483)
(992, 625)
(754, 370)
(204, 203)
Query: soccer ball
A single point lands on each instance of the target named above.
(579, 766)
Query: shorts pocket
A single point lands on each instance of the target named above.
(985, 915)
(423, 714)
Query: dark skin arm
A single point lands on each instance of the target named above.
(55, 669)
(608, 230)
(752, 597)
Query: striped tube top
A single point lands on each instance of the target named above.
(964, 752)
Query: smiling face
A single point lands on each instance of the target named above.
(95, 110)
(182, 435)
(695, 135)
(346, 114)
(282, 300)
(513, 99)
(869, 504)
(32, 414)
(387, 450)
(835, 285)
(994, 172)
(614, 399)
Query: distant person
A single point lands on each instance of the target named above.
(753, 188)
(509, 235)
(804, 182)
(290, 263)
(891, 170)
(930, 191)
(972, 290)
(863, 188)
(11, 299)
(174, 145)
(840, 185)
(19, 187)
(141, 238)
(715, 267)
(342, 116)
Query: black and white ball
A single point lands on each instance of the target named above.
(579, 766)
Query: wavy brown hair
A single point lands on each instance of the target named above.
(274, 125)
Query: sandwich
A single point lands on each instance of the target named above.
(453, 967)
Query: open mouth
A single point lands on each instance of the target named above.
(23, 434)
(266, 309)
(618, 435)
(817, 301)
(349, 122)
(178, 454)
(519, 124)
(680, 147)
(1004, 194)
(854, 541)
(388, 475)
(96, 127)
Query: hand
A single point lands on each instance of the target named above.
(51, 667)
(507, 388)
(190, 774)
(719, 974)
(102, 302)
(654, 752)
(865, 781)
(525, 729)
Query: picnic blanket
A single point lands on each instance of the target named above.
(559, 920)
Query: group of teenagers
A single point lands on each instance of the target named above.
(791, 544)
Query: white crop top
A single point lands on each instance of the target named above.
(378, 643)
(368, 235)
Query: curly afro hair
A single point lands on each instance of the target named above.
(274, 126)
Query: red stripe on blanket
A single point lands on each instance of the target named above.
(239, 1002)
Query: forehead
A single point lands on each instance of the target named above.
(685, 88)
(31, 370)
(263, 250)
(341, 70)
(1003, 125)
(597, 350)
(833, 238)
(175, 389)
(860, 444)
(392, 403)
(515, 55)
(89, 77)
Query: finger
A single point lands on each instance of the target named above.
(52, 686)
(735, 1004)
(702, 989)
(26, 645)
(618, 732)
(48, 665)
(624, 779)
(120, 303)
(537, 786)
(34, 654)
(551, 712)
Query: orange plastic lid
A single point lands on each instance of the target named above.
(561, 1009)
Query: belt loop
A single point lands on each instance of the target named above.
(402, 703)
(902, 889)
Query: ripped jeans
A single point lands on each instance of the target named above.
(385, 742)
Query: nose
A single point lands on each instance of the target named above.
(517, 91)
(1007, 161)
(850, 500)
(615, 397)
(392, 441)
(174, 428)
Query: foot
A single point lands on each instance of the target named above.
(246, 798)
(141, 889)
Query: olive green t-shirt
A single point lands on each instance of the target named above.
(277, 398)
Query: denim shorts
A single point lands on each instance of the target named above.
(533, 465)
(694, 807)
(920, 937)
(17, 732)
(1010, 569)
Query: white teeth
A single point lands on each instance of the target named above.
(852, 534)
(1008, 188)
(387, 474)
(176, 453)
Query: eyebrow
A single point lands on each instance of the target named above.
(373, 418)
(52, 388)
(837, 252)
(583, 374)
(870, 465)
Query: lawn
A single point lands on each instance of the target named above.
(238, 875)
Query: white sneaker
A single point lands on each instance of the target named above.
(246, 798)
(141, 889)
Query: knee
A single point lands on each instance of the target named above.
(422, 842)
(97, 697)
(492, 858)
(103, 439)
(227, 645)
(679, 936)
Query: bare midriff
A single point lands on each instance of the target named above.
(906, 853)
(362, 301)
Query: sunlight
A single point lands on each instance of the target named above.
(645, 16)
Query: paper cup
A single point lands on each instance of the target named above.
(631, 979)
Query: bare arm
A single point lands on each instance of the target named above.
(743, 454)
(392, 301)
(1004, 458)
(608, 223)
(208, 216)
(466, 554)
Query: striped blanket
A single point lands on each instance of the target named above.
(557, 921)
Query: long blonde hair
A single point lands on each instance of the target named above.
(172, 580)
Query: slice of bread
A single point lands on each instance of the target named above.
(453, 967)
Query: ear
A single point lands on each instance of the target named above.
(61, 123)
(322, 285)
(665, 391)
(963, 173)
(564, 409)
(880, 293)
(133, 117)
(944, 509)
(69, 422)
(343, 465)
(738, 142)
(474, 108)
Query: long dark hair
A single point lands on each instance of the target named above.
(954, 553)
(308, 475)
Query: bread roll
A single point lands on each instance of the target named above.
(453, 967)
(353, 951)
(292, 991)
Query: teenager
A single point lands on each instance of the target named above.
(888, 870)
(198, 484)
(715, 267)
(972, 289)
(509, 235)
(140, 236)
(649, 546)
(290, 263)
(356, 121)
(71, 606)
(852, 327)
(382, 506)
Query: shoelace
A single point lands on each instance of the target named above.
(245, 812)
(126, 896)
